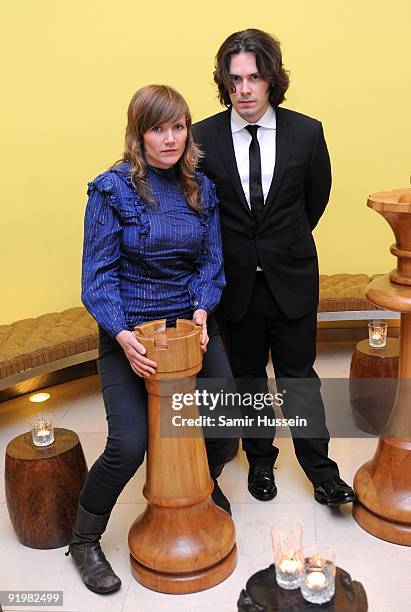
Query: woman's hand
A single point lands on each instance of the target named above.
(135, 352)
(200, 318)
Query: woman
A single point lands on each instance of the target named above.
(152, 250)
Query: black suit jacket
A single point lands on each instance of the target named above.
(282, 241)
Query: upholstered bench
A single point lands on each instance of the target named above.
(33, 348)
(343, 309)
(65, 343)
(342, 296)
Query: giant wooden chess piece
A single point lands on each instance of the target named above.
(383, 485)
(182, 542)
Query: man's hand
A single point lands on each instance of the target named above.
(200, 318)
(135, 352)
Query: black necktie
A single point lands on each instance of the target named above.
(256, 187)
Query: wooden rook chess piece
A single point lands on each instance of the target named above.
(383, 485)
(182, 542)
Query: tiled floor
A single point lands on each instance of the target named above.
(383, 568)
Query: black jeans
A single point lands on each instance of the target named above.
(125, 400)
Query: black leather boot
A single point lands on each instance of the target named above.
(95, 570)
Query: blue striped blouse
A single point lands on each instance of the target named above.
(149, 261)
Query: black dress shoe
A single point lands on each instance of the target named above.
(220, 499)
(334, 492)
(261, 483)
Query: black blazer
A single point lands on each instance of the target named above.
(282, 241)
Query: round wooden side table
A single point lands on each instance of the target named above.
(262, 593)
(43, 485)
(372, 401)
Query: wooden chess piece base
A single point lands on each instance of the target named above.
(191, 537)
(182, 542)
(383, 485)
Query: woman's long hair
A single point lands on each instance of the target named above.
(151, 106)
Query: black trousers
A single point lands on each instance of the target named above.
(292, 343)
(125, 400)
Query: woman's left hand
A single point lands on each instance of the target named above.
(200, 318)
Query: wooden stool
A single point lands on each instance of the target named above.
(182, 543)
(43, 485)
(372, 403)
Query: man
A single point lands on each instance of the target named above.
(272, 172)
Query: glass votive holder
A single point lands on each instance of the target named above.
(42, 430)
(377, 334)
(287, 535)
(317, 580)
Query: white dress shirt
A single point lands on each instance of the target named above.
(266, 139)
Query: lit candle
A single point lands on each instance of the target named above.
(316, 580)
(289, 566)
(42, 433)
(42, 430)
(376, 336)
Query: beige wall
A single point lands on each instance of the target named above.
(70, 68)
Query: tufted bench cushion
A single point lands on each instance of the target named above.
(51, 337)
(344, 292)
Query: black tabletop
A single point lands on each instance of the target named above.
(262, 594)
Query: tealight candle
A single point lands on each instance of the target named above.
(290, 566)
(42, 429)
(317, 582)
(286, 536)
(42, 432)
(377, 334)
